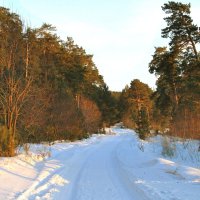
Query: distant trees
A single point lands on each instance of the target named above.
(108, 105)
(136, 110)
(49, 88)
(178, 70)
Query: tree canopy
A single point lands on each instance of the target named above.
(50, 88)
(178, 69)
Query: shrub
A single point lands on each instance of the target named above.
(168, 149)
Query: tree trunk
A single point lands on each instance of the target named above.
(194, 47)
(27, 60)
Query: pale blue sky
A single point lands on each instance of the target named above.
(121, 34)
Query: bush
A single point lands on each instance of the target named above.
(168, 149)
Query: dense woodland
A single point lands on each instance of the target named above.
(50, 89)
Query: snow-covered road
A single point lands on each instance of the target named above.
(100, 176)
(103, 167)
(90, 172)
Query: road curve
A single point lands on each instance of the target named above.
(87, 171)
(100, 175)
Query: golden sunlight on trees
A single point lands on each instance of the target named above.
(91, 115)
(178, 70)
(41, 79)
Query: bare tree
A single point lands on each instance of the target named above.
(13, 93)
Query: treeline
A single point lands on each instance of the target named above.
(175, 105)
(50, 89)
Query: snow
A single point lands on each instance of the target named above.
(114, 166)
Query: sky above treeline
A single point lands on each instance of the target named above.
(121, 34)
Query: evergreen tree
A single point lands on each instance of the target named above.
(47, 86)
(180, 28)
(177, 68)
(137, 107)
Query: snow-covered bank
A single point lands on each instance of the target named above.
(167, 178)
(103, 167)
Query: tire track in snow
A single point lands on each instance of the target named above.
(50, 177)
(125, 178)
(103, 176)
(126, 172)
(93, 172)
(93, 181)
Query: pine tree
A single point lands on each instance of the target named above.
(177, 68)
(137, 107)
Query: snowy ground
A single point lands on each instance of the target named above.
(105, 167)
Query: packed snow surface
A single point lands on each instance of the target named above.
(115, 166)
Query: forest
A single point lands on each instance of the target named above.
(51, 89)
